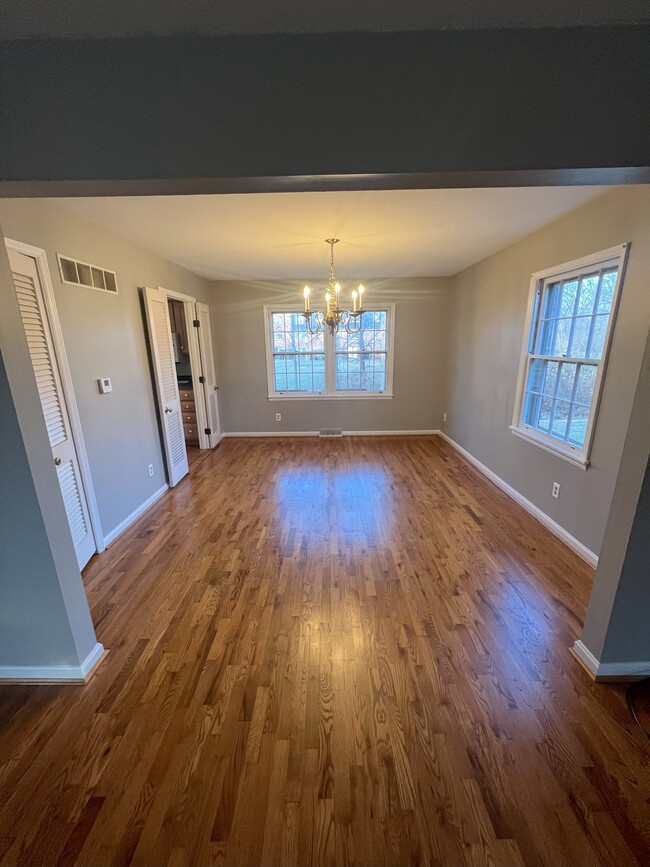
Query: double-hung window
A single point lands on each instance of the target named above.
(569, 325)
(302, 365)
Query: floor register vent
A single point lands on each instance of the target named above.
(328, 432)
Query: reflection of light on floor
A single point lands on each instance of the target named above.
(525, 609)
(341, 500)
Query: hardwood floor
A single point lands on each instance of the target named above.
(350, 652)
(193, 453)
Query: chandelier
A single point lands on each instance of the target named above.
(334, 316)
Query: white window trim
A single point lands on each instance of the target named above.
(614, 255)
(269, 310)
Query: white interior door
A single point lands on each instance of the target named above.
(29, 292)
(210, 388)
(162, 350)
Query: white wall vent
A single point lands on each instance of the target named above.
(84, 274)
(330, 432)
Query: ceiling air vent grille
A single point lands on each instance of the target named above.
(84, 274)
(327, 432)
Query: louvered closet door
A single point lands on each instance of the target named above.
(39, 339)
(162, 350)
(211, 394)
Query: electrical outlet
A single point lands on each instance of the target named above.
(444, 416)
(151, 469)
(556, 490)
(278, 416)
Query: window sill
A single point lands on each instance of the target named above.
(524, 434)
(351, 396)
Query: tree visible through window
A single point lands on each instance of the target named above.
(360, 359)
(568, 335)
(321, 364)
(298, 356)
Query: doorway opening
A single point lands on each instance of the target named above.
(185, 380)
(185, 375)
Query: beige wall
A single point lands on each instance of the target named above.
(105, 336)
(421, 326)
(488, 312)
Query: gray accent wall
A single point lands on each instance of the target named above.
(616, 625)
(34, 626)
(488, 319)
(421, 328)
(105, 335)
(453, 104)
(44, 616)
(628, 637)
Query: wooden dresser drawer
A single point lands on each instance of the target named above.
(186, 394)
(189, 418)
(188, 406)
(191, 432)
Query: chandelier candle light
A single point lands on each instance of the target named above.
(334, 315)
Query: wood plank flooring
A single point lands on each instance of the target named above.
(350, 652)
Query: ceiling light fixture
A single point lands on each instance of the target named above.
(334, 316)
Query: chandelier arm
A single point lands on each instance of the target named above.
(309, 316)
(352, 317)
(318, 317)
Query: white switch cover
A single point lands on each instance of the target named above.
(105, 385)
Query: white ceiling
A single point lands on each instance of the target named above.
(384, 233)
(99, 18)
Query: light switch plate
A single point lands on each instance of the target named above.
(105, 385)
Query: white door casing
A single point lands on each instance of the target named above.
(189, 307)
(54, 401)
(162, 351)
(210, 388)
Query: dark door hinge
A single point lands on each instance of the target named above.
(196, 323)
(201, 378)
(208, 430)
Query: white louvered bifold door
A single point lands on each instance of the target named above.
(39, 339)
(162, 351)
(210, 390)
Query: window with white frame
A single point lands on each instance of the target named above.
(300, 364)
(570, 319)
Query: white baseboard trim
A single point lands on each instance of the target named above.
(573, 543)
(389, 433)
(53, 673)
(294, 433)
(126, 523)
(346, 433)
(609, 670)
(586, 657)
(92, 660)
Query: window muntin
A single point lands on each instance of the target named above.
(346, 365)
(567, 341)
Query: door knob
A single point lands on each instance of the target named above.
(168, 409)
(57, 462)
